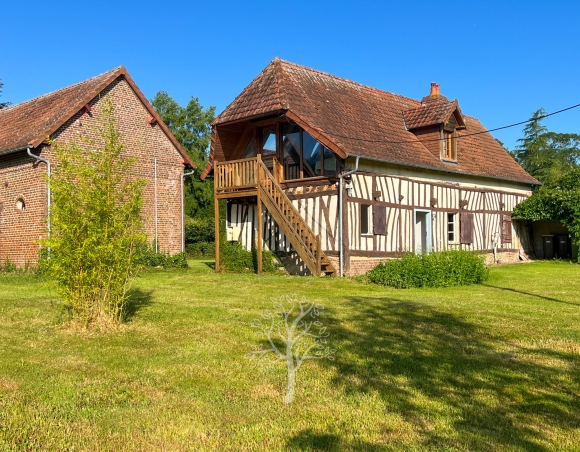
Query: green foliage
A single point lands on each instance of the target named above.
(9, 266)
(200, 250)
(199, 230)
(146, 256)
(192, 128)
(3, 104)
(236, 259)
(96, 224)
(190, 125)
(547, 155)
(437, 269)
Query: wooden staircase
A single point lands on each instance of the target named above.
(302, 238)
(259, 181)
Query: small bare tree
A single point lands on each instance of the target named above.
(294, 334)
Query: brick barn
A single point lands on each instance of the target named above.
(68, 114)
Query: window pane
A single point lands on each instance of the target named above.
(451, 227)
(250, 150)
(364, 218)
(330, 163)
(312, 156)
(291, 149)
(269, 141)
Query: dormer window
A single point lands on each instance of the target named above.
(448, 151)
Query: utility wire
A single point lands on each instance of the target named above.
(458, 136)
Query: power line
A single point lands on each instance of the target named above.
(459, 136)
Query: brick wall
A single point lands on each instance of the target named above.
(21, 176)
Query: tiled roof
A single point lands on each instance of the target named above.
(30, 122)
(430, 114)
(354, 119)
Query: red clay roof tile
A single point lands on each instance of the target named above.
(30, 122)
(355, 119)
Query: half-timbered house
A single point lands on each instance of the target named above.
(335, 176)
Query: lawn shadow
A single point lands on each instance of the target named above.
(309, 440)
(137, 300)
(430, 366)
(210, 264)
(508, 289)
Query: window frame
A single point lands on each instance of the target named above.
(448, 145)
(369, 219)
(453, 222)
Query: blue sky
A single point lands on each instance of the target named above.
(501, 60)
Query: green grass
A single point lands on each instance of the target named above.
(490, 367)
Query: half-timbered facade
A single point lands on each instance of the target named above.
(335, 176)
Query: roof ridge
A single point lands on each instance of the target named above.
(245, 89)
(280, 87)
(12, 107)
(342, 79)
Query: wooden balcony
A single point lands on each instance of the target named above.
(236, 178)
(251, 177)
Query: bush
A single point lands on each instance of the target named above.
(235, 258)
(148, 257)
(199, 230)
(437, 269)
(200, 249)
(96, 223)
(9, 266)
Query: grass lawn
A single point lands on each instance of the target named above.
(492, 367)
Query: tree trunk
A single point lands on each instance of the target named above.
(291, 384)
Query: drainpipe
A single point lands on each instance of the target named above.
(48, 191)
(340, 214)
(155, 197)
(183, 176)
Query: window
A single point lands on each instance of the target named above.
(20, 204)
(291, 149)
(451, 237)
(269, 141)
(448, 146)
(301, 155)
(311, 154)
(250, 150)
(365, 212)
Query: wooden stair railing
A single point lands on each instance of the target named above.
(302, 238)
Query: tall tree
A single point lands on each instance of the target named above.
(3, 104)
(191, 125)
(547, 155)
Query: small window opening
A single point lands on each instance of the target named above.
(20, 204)
(448, 144)
(451, 227)
(365, 210)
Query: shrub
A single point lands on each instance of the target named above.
(9, 266)
(148, 257)
(235, 258)
(437, 269)
(199, 230)
(96, 224)
(200, 249)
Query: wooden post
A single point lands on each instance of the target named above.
(217, 218)
(318, 256)
(260, 223)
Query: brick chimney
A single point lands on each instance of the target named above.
(434, 96)
(435, 90)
